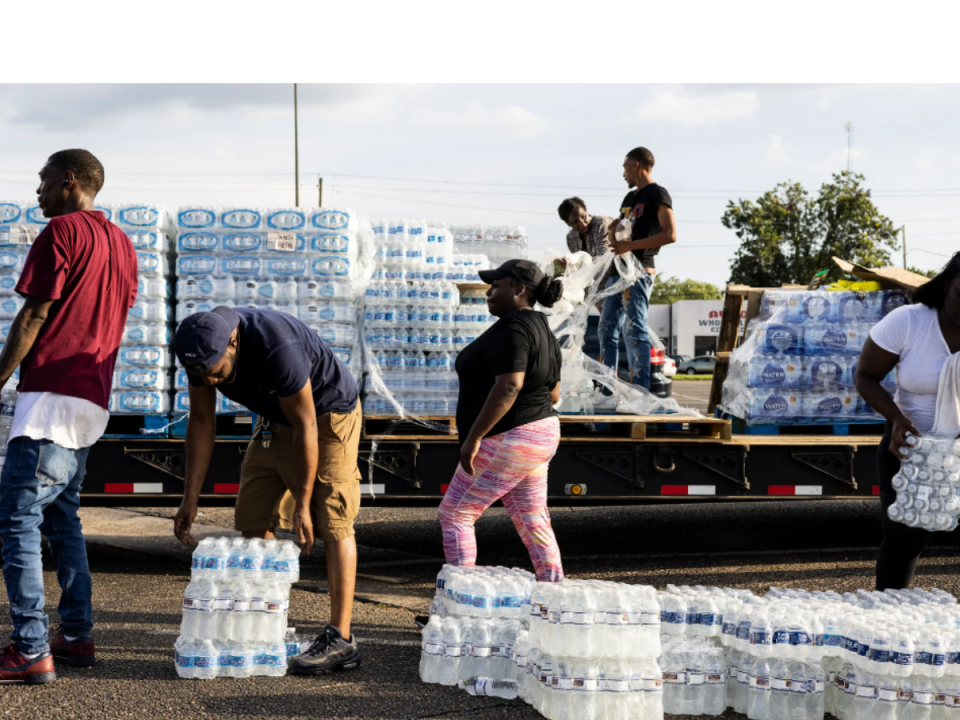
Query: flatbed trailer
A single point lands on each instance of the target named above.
(603, 459)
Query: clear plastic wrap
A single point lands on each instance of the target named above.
(927, 484)
(583, 377)
(798, 359)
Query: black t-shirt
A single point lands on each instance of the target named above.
(518, 342)
(643, 206)
(277, 354)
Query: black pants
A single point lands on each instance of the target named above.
(901, 545)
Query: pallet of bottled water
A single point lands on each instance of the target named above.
(798, 360)
(928, 484)
(498, 242)
(416, 319)
(235, 609)
(306, 262)
(576, 649)
(799, 654)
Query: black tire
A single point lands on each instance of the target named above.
(691, 371)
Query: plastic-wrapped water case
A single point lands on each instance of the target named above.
(797, 362)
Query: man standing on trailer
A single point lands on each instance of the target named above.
(300, 468)
(79, 282)
(650, 208)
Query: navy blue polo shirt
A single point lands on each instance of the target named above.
(276, 355)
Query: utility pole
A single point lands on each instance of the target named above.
(320, 192)
(849, 130)
(903, 230)
(296, 150)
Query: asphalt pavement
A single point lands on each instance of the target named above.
(692, 393)
(813, 544)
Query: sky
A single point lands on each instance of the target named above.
(504, 154)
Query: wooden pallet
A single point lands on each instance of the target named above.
(133, 425)
(862, 427)
(572, 427)
(391, 426)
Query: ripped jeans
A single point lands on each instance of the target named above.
(627, 310)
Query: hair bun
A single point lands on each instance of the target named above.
(549, 291)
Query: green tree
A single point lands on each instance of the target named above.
(918, 271)
(787, 236)
(669, 290)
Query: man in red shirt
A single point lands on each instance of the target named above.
(79, 281)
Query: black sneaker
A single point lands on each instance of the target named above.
(327, 654)
(421, 621)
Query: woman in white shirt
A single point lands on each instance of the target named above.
(916, 339)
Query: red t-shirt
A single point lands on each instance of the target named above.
(88, 265)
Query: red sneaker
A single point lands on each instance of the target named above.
(78, 653)
(15, 668)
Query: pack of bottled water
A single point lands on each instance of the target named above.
(498, 242)
(235, 609)
(798, 360)
(576, 649)
(928, 484)
(799, 654)
(306, 262)
(415, 319)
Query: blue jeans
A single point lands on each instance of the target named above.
(627, 309)
(40, 493)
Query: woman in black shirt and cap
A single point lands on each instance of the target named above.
(509, 431)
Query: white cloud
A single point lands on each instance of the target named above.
(777, 150)
(688, 109)
(511, 120)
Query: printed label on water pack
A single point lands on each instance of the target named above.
(222, 604)
(939, 699)
(887, 695)
(21, 234)
(186, 661)
(273, 608)
(649, 618)
(651, 684)
(429, 649)
(614, 618)
(577, 618)
(480, 601)
(553, 617)
(696, 678)
(905, 695)
(742, 677)
(204, 605)
(675, 678)
(617, 686)
(850, 688)
(565, 683)
(452, 651)
(480, 651)
(952, 701)
(778, 684)
(715, 678)
(189, 603)
(781, 637)
(921, 697)
(866, 691)
(241, 606)
(761, 683)
(204, 661)
(241, 661)
(585, 684)
(923, 492)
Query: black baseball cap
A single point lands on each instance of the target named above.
(203, 338)
(523, 271)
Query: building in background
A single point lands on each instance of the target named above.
(687, 327)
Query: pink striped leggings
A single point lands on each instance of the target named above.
(511, 466)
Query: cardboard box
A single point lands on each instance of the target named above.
(890, 278)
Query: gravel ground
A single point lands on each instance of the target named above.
(818, 544)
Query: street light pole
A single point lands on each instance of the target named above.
(296, 150)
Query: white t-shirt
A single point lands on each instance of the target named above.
(913, 333)
(70, 422)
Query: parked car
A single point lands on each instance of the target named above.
(669, 366)
(677, 359)
(698, 365)
(660, 384)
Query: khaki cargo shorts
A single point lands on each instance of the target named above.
(264, 500)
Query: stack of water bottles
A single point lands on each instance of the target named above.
(305, 262)
(577, 649)
(235, 609)
(498, 242)
(799, 654)
(928, 484)
(414, 320)
(142, 378)
(798, 361)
